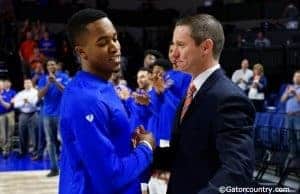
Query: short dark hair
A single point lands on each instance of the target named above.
(153, 52)
(145, 69)
(164, 63)
(77, 24)
(204, 26)
(51, 59)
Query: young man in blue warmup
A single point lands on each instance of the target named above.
(51, 87)
(97, 155)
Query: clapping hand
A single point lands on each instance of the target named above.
(141, 134)
(123, 93)
(291, 90)
(26, 100)
(51, 78)
(141, 97)
(159, 83)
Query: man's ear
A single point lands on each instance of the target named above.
(207, 46)
(81, 52)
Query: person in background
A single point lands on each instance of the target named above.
(51, 88)
(242, 76)
(26, 52)
(291, 13)
(38, 73)
(26, 101)
(5, 107)
(150, 56)
(10, 117)
(117, 77)
(261, 41)
(291, 97)
(258, 87)
(47, 46)
(36, 59)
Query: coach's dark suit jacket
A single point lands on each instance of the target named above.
(213, 145)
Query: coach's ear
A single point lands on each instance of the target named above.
(207, 46)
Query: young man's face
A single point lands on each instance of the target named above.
(296, 78)
(245, 64)
(158, 70)
(28, 84)
(7, 84)
(101, 49)
(143, 79)
(51, 66)
(186, 53)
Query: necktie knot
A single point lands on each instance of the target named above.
(191, 90)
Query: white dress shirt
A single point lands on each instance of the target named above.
(199, 80)
(32, 97)
(242, 74)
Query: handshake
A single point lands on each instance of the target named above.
(141, 135)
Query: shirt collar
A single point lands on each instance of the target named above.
(91, 77)
(297, 86)
(199, 80)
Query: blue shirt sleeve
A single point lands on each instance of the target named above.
(42, 82)
(65, 79)
(93, 144)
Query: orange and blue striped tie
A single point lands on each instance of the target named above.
(188, 100)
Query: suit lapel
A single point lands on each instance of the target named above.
(202, 91)
(178, 114)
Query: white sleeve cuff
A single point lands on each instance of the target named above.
(147, 144)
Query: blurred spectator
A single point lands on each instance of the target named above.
(241, 41)
(5, 107)
(117, 77)
(43, 29)
(35, 32)
(10, 115)
(242, 76)
(291, 12)
(150, 56)
(66, 56)
(261, 41)
(37, 73)
(258, 86)
(144, 80)
(51, 87)
(170, 55)
(7, 88)
(25, 28)
(26, 101)
(292, 98)
(207, 3)
(47, 46)
(273, 24)
(26, 52)
(36, 59)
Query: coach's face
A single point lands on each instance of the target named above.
(102, 49)
(186, 53)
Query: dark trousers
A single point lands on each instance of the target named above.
(28, 128)
(41, 136)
